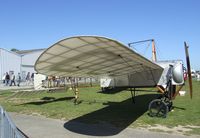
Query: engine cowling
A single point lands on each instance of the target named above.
(177, 74)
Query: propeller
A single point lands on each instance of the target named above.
(188, 68)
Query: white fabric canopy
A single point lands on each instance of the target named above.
(88, 56)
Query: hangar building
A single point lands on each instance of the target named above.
(18, 62)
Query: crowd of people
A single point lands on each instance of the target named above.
(12, 80)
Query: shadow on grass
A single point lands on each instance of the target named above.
(181, 108)
(112, 90)
(121, 89)
(46, 100)
(112, 119)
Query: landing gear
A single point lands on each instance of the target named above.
(160, 107)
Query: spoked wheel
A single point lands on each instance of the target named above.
(169, 104)
(158, 108)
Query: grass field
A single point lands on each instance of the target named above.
(114, 107)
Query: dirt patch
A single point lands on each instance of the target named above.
(175, 130)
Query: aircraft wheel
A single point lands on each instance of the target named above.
(158, 108)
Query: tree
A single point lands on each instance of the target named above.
(14, 50)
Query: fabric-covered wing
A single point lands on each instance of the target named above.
(88, 56)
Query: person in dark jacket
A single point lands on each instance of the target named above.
(18, 79)
(7, 79)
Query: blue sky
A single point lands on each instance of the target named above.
(31, 24)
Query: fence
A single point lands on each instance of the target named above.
(8, 128)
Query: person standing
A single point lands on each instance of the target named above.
(7, 78)
(12, 79)
(28, 78)
(18, 79)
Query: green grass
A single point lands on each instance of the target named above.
(115, 107)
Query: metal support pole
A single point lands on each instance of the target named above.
(153, 51)
(133, 95)
(129, 44)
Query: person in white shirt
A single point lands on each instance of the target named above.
(12, 78)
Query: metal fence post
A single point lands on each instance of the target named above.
(8, 128)
(2, 127)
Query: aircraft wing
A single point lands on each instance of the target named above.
(91, 56)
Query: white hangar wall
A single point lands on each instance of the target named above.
(30, 58)
(28, 62)
(18, 62)
(9, 62)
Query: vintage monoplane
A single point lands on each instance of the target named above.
(116, 65)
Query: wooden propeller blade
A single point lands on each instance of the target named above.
(188, 68)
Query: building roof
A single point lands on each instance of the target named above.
(22, 52)
(9, 51)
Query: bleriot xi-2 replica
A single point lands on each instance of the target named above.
(116, 65)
